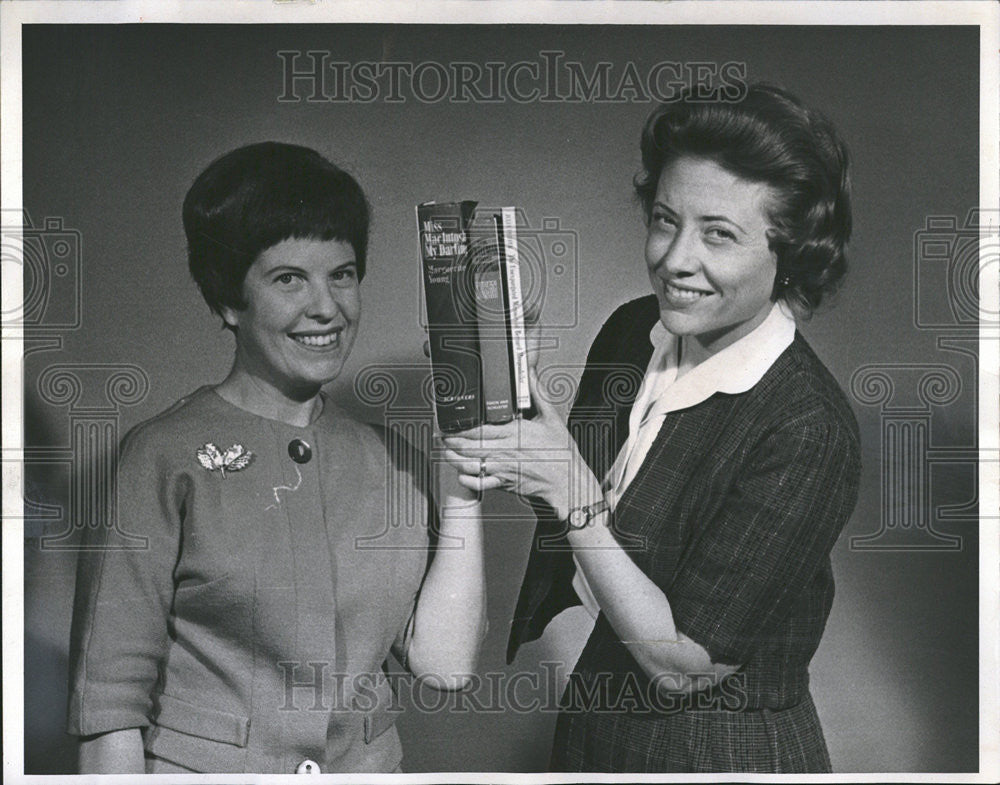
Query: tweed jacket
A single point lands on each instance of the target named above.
(246, 628)
(733, 514)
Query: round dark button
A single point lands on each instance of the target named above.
(299, 451)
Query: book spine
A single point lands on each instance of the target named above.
(453, 339)
(498, 405)
(514, 306)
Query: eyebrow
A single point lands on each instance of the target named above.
(284, 267)
(701, 218)
(723, 218)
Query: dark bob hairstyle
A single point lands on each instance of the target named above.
(257, 196)
(768, 137)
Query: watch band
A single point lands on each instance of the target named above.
(581, 517)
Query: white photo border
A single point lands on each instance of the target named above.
(983, 14)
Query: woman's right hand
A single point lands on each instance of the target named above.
(533, 458)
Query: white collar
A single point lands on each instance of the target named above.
(732, 370)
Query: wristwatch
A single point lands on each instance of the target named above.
(581, 517)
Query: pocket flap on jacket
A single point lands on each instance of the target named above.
(383, 715)
(201, 721)
(378, 722)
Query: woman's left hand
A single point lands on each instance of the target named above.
(535, 458)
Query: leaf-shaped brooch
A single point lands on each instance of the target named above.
(232, 460)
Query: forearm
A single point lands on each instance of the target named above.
(450, 618)
(637, 608)
(115, 752)
(538, 459)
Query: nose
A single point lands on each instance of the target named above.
(678, 255)
(322, 305)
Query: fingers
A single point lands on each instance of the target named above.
(477, 483)
(544, 407)
(465, 463)
(487, 432)
(474, 445)
(464, 447)
(474, 472)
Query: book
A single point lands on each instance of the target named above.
(506, 227)
(451, 314)
(472, 289)
(497, 387)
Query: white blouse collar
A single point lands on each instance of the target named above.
(735, 369)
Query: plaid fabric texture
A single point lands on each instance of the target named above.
(733, 514)
(765, 741)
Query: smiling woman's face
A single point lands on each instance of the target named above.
(707, 252)
(303, 306)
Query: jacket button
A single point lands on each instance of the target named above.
(300, 452)
(307, 766)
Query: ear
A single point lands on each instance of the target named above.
(230, 316)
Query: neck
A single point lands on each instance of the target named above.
(690, 353)
(257, 396)
(695, 349)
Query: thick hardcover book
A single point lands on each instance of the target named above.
(498, 403)
(451, 313)
(472, 286)
(506, 229)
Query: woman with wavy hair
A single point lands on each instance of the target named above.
(694, 514)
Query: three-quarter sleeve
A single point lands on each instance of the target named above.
(123, 597)
(770, 539)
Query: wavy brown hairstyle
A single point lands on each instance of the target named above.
(767, 137)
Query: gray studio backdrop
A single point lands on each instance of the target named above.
(118, 120)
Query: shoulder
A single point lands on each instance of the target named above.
(617, 359)
(629, 321)
(377, 445)
(369, 436)
(165, 427)
(180, 430)
(645, 309)
(799, 395)
(162, 455)
(622, 347)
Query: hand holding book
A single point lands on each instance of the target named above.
(534, 458)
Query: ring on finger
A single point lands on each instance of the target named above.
(482, 467)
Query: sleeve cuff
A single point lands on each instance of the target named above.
(98, 716)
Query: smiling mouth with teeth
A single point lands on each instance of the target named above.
(686, 295)
(319, 341)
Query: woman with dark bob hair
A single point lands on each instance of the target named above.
(284, 546)
(710, 461)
